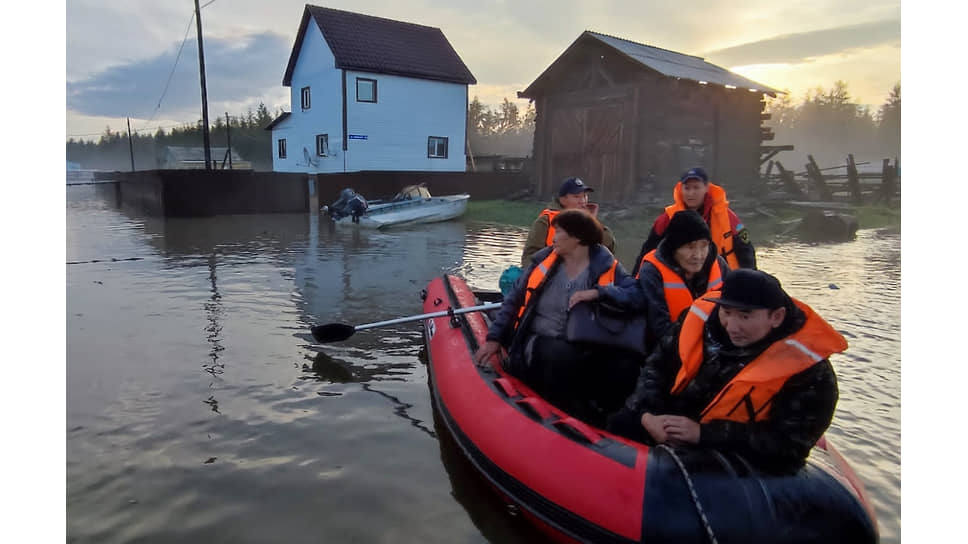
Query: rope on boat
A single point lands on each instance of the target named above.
(692, 491)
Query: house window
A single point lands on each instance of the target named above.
(322, 144)
(282, 148)
(305, 98)
(365, 90)
(437, 147)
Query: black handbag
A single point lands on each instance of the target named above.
(606, 325)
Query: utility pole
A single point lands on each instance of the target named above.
(201, 73)
(228, 137)
(130, 145)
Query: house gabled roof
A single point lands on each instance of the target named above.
(666, 62)
(282, 117)
(382, 46)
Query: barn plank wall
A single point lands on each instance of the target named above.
(619, 125)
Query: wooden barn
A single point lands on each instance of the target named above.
(624, 116)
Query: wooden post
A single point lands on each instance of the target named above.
(853, 181)
(228, 138)
(888, 188)
(813, 172)
(201, 74)
(130, 145)
(789, 181)
(471, 155)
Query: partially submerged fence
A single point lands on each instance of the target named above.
(836, 183)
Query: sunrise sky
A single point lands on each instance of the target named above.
(120, 54)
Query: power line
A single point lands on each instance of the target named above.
(175, 65)
(167, 83)
(178, 56)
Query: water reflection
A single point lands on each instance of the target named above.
(488, 511)
(329, 369)
(226, 304)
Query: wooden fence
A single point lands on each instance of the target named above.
(842, 183)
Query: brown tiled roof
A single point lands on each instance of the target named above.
(382, 46)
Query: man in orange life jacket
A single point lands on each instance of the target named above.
(695, 192)
(681, 269)
(572, 195)
(745, 372)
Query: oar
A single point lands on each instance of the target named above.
(335, 332)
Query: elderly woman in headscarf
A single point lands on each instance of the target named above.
(682, 268)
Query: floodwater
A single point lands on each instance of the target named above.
(199, 410)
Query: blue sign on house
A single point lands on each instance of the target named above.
(357, 136)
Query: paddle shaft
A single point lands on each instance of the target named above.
(469, 309)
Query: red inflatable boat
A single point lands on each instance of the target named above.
(580, 483)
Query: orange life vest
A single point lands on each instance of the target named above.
(748, 396)
(719, 226)
(677, 294)
(540, 273)
(550, 214)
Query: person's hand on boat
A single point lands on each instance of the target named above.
(488, 350)
(585, 295)
(681, 430)
(653, 425)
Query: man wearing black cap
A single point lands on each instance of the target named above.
(572, 194)
(744, 371)
(695, 192)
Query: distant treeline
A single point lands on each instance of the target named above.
(111, 151)
(503, 130)
(828, 124)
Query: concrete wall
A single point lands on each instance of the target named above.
(383, 185)
(196, 193)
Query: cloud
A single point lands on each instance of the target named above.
(804, 46)
(237, 70)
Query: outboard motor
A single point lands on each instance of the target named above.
(349, 203)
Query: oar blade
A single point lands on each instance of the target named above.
(332, 332)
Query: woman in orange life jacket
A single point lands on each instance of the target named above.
(745, 372)
(683, 267)
(586, 381)
(695, 192)
(572, 195)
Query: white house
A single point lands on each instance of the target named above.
(369, 93)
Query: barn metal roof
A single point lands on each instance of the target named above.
(665, 62)
(673, 64)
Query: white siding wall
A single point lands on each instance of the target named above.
(407, 111)
(397, 126)
(315, 68)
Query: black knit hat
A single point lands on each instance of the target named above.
(748, 289)
(684, 227)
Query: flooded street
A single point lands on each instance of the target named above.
(200, 410)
